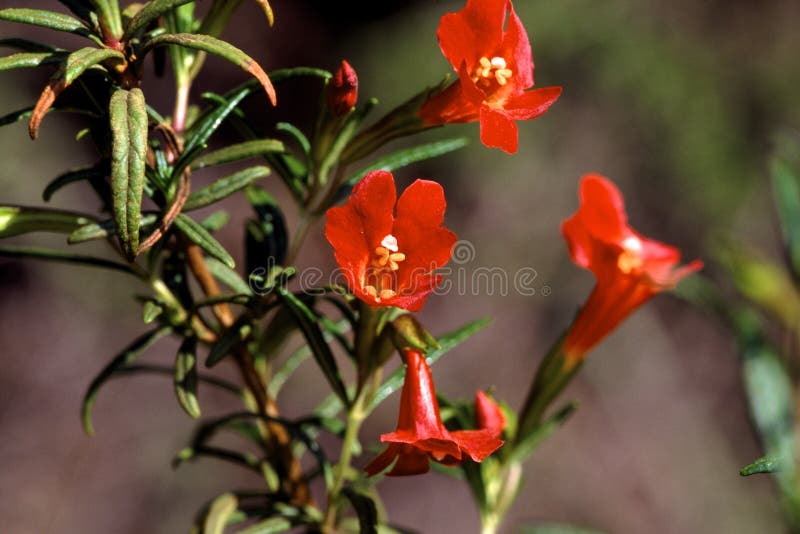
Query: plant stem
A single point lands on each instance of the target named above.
(355, 416)
(303, 226)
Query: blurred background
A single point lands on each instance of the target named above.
(676, 102)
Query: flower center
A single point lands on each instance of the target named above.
(489, 70)
(384, 264)
(631, 257)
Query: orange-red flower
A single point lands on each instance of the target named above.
(342, 91)
(629, 268)
(421, 436)
(389, 260)
(495, 67)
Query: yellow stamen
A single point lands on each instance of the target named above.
(630, 259)
(496, 69)
(387, 294)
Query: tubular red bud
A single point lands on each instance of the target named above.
(342, 90)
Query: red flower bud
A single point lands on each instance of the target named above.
(489, 415)
(342, 91)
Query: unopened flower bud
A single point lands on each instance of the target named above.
(342, 90)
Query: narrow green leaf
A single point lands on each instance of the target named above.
(200, 237)
(104, 229)
(57, 255)
(365, 509)
(307, 321)
(17, 220)
(149, 13)
(231, 338)
(221, 509)
(204, 128)
(45, 19)
(30, 59)
(237, 152)
(99, 170)
(266, 238)
(285, 371)
(186, 377)
(25, 114)
(212, 45)
(786, 192)
(766, 464)
(408, 156)
(273, 525)
(528, 444)
(297, 135)
(109, 17)
(224, 187)
(27, 45)
(130, 353)
(228, 276)
(128, 118)
(448, 342)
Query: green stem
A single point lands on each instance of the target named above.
(355, 417)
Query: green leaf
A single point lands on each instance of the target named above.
(186, 377)
(448, 342)
(149, 13)
(130, 353)
(307, 321)
(237, 152)
(228, 276)
(284, 372)
(266, 238)
(365, 509)
(766, 464)
(212, 45)
(528, 444)
(109, 17)
(231, 338)
(786, 192)
(27, 45)
(128, 118)
(216, 221)
(408, 156)
(25, 114)
(200, 237)
(46, 19)
(297, 135)
(30, 59)
(150, 311)
(273, 525)
(56, 255)
(224, 187)
(99, 170)
(17, 220)
(104, 229)
(205, 127)
(221, 509)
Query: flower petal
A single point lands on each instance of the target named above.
(516, 49)
(467, 34)
(383, 460)
(478, 444)
(531, 104)
(498, 130)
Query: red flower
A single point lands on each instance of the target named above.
(388, 260)
(421, 436)
(342, 91)
(629, 268)
(489, 415)
(495, 67)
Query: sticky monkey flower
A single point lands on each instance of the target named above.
(629, 268)
(421, 436)
(495, 69)
(388, 259)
